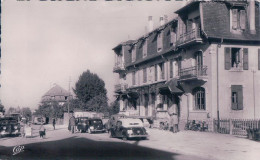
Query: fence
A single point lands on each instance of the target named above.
(235, 126)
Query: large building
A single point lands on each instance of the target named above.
(202, 65)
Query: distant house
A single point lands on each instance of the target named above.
(57, 93)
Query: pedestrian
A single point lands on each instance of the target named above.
(53, 123)
(72, 124)
(42, 131)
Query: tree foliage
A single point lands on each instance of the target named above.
(91, 92)
(2, 108)
(51, 110)
(114, 108)
(26, 112)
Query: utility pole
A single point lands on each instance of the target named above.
(69, 99)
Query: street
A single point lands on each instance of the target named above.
(61, 144)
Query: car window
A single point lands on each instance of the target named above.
(96, 122)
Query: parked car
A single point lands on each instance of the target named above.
(128, 128)
(82, 124)
(112, 121)
(9, 126)
(96, 125)
(39, 120)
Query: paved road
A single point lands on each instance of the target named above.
(163, 145)
(61, 144)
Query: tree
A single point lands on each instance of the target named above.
(2, 109)
(52, 109)
(91, 91)
(114, 107)
(26, 112)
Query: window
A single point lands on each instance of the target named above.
(236, 58)
(173, 36)
(145, 48)
(199, 98)
(161, 65)
(171, 68)
(238, 18)
(236, 97)
(178, 66)
(133, 52)
(159, 41)
(144, 75)
(133, 78)
(155, 73)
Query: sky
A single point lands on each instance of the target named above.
(46, 43)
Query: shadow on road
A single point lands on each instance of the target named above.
(83, 148)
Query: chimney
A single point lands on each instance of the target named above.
(161, 21)
(165, 18)
(150, 23)
(252, 16)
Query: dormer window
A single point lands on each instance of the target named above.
(145, 48)
(133, 52)
(238, 18)
(173, 36)
(159, 41)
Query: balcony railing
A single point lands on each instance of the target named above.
(191, 36)
(193, 72)
(119, 67)
(121, 87)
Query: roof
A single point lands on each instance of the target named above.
(216, 23)
(57, 91)
(131, 42)
(131, 122)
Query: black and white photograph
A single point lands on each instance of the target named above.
(130, 79)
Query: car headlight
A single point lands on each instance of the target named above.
(15, 127)
(91, 127)
(129, 131)
(4, 127)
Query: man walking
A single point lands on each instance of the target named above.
(53, 123)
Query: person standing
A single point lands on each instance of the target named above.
(72, 123)
(53, 123)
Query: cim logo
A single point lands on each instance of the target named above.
(18, 149)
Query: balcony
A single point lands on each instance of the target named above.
(193, 73)
(120, 88)
(189, 38)
(119, 67)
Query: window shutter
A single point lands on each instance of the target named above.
(144, 75)
(155, 72)
(145, 48)
(162, 71)
(245, 58)
(234, 18)
(258, 59)
(227, 58)
(242, 19)
(171, 68)
(159, 41)
(240, 97)
(133, 78)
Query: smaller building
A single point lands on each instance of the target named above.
(58, 94)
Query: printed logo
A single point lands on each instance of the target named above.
(18, 149)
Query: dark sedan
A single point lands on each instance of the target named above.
(9, 126)
(96, 125)
(82, 124)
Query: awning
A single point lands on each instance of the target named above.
(132, 94)
(172, 87)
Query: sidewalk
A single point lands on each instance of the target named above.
(205, 144)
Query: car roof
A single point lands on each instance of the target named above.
(131, 122)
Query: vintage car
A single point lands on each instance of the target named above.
(9, 126)
(95, 125)
(82, 124)
(112, 121)
(129, 128)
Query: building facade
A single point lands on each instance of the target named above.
(202, 65)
